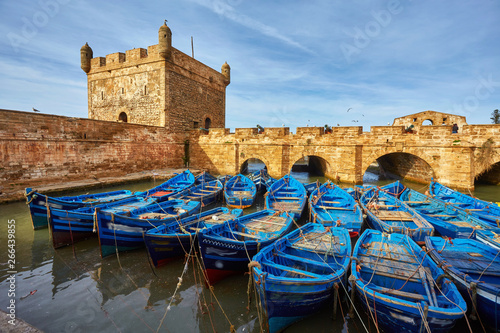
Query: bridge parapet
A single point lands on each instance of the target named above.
(276, 132)
(310, 131)
(218, 132)
(245, 132)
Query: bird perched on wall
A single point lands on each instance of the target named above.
(35, 110)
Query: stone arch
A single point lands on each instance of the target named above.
(244, 166)
(122, 114)
(315, 163)
(487, 163)
(207, 123)
(244, 157)
(407, 165)
(427, 122)
(491, 175)
(123, 117)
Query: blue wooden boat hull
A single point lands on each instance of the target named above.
(287, 194)
(446, 219)
(386, 269)
(119, 233)
(204, 177)
(311, 187)
(38, 203)
(490, 237)
(468, 262)
(380, 206)
(488, 212)
(330, 205)
(240, 192)
(71, 226)
(287, 299)
(259, 178)
(167, 242)
(172, 186)
(206, 193)
(225, 253)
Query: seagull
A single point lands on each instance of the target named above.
(349, 109)
(35, 110)
(363, 115)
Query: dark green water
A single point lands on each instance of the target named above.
(74, 290)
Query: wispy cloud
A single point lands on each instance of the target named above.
(223, 8)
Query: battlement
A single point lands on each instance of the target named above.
(310, 131)
(129, 58)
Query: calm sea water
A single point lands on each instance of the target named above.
(74, 290)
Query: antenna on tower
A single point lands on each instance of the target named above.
(192, 47)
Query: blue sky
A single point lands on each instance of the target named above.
(296, 63)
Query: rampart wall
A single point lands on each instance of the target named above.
(35, 146)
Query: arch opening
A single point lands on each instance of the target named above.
(490, 177)
(208, 122)
(252, 165)
(427, 122)
(122, 117)
(399, 166)
(310, 168)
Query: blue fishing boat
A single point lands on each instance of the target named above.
(240, 192)
(71, 226)
(228, 248)
(475, 269)
(38, 203)
(310, 187)
(395, 189)
(203, 177)
(300, 273)
(485, 210)
(388, 214)
(287, 195)
(330, 205)
(206, 193)
(124, 231)
(357, 191)
(172, 186)
(401, 287)
(259, 178)
(167, 242)
(446, 219)
(223, 179)
(270, 183)
(489, 237)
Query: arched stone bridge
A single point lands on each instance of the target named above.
(454, 159)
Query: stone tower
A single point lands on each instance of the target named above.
(160, 86)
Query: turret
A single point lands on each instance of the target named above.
(86, 55)
(226, 71)
(165, 41)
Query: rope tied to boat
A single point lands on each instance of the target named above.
(473, 289)
(35, 196)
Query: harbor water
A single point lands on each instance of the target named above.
(73, 290)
